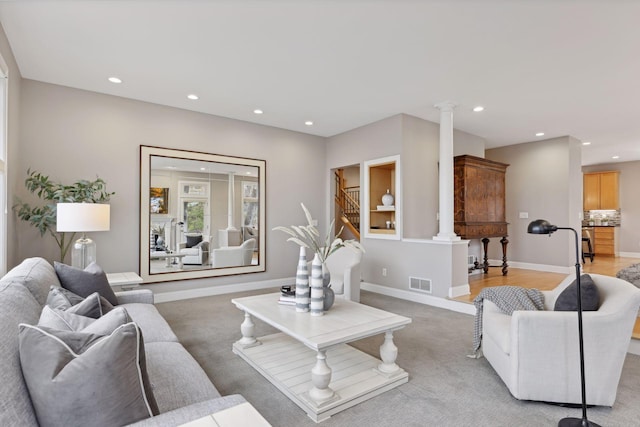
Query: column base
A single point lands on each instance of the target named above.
(447, 237)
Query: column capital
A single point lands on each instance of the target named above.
(446, 106)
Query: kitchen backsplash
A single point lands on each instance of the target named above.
(609, 217)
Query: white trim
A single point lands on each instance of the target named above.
(220, 290)
(436, 242)
(630, 254)
(458, 291)
(457, 306)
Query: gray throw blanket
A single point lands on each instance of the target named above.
(508, 299)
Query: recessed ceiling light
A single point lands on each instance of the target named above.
(192, 96)
(478, 108)
(258, 111)
(586, 143)
(203, 169)
(308, 123)
(540, 134)
(248, 173)
(171, 167)
(115, 80)
(615, 157)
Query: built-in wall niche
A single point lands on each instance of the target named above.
(382, 198)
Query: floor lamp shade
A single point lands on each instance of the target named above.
(83, 218)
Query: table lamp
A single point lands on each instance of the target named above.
(82, 218)
(540, 226)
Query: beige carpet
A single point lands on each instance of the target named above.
(445, 387)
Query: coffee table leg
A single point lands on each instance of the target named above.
(388, 354)
(247, 329)
(180, 264)
(321, 377)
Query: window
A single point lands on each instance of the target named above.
(193, 207)
(3, 166)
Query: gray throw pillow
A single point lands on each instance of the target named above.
(85, 282)
(82, 379)
(568, 299)
(65, 321)
(193, 240)
(64, 299)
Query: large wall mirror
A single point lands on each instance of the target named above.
(201, 215)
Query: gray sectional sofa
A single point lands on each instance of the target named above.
(182, 390)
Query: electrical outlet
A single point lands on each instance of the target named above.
(524, 215)
(384, 272)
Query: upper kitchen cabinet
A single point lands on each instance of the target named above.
(600, 190)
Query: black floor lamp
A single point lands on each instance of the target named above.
(540, 226)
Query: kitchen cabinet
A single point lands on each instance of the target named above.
(600, 190)
(605, 241)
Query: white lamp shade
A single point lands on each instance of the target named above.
(82, 217)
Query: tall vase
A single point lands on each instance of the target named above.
(317, 290)
(329, 296)
(302, 283)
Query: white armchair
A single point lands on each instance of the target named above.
(198, 254)
(536, 353)
(233, 256)
(344, 267)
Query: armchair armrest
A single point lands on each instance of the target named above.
(144, 296)
(191, 412)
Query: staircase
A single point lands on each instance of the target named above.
(347, 202)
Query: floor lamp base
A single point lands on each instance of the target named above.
(576, 422)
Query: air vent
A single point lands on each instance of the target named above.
(471, 259)
(420, 285)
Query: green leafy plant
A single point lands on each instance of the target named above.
(44, 217)
(308, 236)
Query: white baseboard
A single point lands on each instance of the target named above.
(460, 307)
(634, 347)
(160, 297)
(630, 254)
(458, 291)
(536, 267)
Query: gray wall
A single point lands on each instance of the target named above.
(629, 203)
(544, 180)
(417, 142)
(14, 176)
(71, 134)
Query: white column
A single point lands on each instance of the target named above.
(231, 201)
(446, 172)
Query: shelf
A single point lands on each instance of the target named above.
(382, 177)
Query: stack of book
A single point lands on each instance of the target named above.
(287, 295)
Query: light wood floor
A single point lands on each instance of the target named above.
(544, 281)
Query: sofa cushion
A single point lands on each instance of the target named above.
(85, 282)
(37, 275)
(568, 299)
(66, 321)
(66, 371)
(151, 322)
(177, 379)
(17, 305)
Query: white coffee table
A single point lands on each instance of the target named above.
(168, 257)
(310, 360)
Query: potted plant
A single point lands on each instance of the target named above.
(44, 217)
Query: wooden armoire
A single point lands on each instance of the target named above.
(479, 203)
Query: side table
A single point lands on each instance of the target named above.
(124, 281)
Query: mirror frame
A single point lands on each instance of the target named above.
(146, 152)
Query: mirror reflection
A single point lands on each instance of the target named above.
(202, 215)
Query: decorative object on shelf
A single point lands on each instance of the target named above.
(83, 218)
(302, 283)
(387, 198)
(329, 297)
(317, 288)
(44, 217)
(541, 226)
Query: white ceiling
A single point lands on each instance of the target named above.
(558, 67)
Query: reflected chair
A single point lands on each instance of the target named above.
(233, 256)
